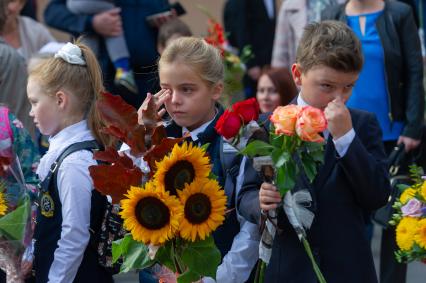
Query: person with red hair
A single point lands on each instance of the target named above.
(275, 87)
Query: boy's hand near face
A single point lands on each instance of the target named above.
(338, 118)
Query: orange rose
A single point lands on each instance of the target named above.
(310, 122)
(284, 119)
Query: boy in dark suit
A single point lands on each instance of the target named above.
(353, 178)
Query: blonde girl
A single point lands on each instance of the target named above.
(191, 77)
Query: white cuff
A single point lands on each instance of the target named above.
(342, 144)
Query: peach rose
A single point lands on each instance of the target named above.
(310, 122)
(284, 119)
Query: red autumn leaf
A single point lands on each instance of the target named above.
(158, 135)
(121, 120)
(116, 178)
(110, 155)
(157, 152)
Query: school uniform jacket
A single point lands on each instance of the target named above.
(344, 188)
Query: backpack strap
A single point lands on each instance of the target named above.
(230, 161)
(85, 145)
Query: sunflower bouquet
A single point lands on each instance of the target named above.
(410, 219)
(171, 207)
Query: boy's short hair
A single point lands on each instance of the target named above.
(332, 44)
(170, 28)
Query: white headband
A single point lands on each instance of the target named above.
(72, 54)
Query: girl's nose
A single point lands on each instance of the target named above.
(175, 98)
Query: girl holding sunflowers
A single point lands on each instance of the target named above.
(191, 77)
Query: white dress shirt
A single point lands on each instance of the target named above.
(341, 144)
(75, 190)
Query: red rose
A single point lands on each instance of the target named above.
(229, 124)
(247, 109)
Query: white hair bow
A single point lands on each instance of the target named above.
(72, 54)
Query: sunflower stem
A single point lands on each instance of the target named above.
(178, 267)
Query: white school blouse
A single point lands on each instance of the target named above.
(75, 190)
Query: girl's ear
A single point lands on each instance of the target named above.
(62, 99)
(296, 71)
(217, 91)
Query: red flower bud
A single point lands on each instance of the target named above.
(229, 124)
(247, 109)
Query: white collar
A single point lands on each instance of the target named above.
(75, 133)
(300, 100)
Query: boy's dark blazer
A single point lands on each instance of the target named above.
(344, 188)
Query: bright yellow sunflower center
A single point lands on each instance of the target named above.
(181, 173)
(197, 208)
(152, 213)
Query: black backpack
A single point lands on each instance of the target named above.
(106, 224)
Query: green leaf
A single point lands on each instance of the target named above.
(309, 166)
(135, 254)
(13, 224)
(188, 277)
(205, 146)
(165, 256)
(280, 157)
(277, 141)
(120, 247)
(315, 150)
(402, 187)
(286, 178)
(258, 148)
(202, 257)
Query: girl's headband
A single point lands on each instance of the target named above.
(72, 54)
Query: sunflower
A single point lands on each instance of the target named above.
(406, 195)
(185, 164)
(405, 232)
(420, 236)
(152, 216)
(3, 206)
(204, 208)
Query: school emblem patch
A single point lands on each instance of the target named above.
(46, 205)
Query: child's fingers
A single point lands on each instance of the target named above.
(162, 98)
(161, 112)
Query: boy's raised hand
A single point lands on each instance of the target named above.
(269, 197)
(338, 118)
(158, 100)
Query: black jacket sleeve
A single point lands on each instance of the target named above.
(364, 165)
(58, 16)
(413, 74)
(248, 199)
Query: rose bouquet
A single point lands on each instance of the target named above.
(410, 219)
(293, 148)
(171, 207)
